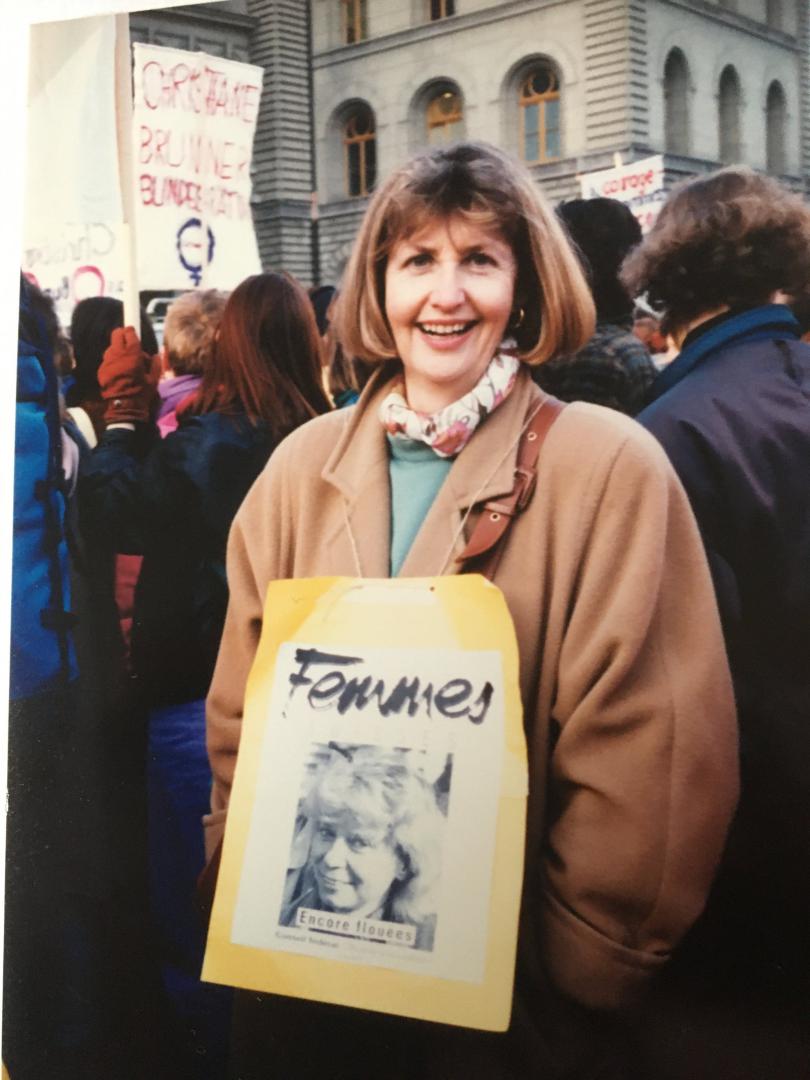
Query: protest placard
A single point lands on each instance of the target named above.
(193, 126)
(640, 185)
(73, 262)
(374, 847)
(74, 241)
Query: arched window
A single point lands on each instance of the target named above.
(444, 116)
(540, 114)
(353, 21)
(360, 149)
(676, 103)
(728, 116)
(773, 14)
(775, 123)
(441, 9)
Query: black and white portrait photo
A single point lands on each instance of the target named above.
(366, 851)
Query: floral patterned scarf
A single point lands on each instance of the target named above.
(448, 431)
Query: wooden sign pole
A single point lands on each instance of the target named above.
(126, 170)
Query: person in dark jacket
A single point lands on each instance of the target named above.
(172, 500)
(91, 326)
(614, 367)
(733, 413)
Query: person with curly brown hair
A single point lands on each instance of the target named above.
(726, 255)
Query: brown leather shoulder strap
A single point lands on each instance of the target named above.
(483, 550)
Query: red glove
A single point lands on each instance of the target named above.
(128, 379)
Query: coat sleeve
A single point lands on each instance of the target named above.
(259, 536)
(111, 488)
(644, 773)
(136, 489)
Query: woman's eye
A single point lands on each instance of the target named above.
(358, 843)
(480, 258)
(326, 832)
(419, 260)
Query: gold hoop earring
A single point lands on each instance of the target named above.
(517, 320)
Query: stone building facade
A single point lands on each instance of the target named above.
(354, 87)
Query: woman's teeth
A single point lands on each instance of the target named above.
(444, 329)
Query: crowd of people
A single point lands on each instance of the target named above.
(657, 575)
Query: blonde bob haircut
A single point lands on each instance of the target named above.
(553, 312)
(190, 329)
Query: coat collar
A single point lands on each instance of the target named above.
(358, 468)
(771, 321)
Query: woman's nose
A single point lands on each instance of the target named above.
(448, 292)
(336, 854)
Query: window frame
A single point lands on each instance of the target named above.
(731, 77)
(776, 141)
(360, 139)
(444, 122)
(353, 24)
(440, 9)
(674, 104)
(541, 100)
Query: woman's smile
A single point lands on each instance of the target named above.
(448, 297)
(353, 866)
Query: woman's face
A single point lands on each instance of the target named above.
(353, 863)
(449, 290)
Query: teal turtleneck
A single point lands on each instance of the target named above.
(417, 472)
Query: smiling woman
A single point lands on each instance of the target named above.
(461, 277)
(449, 292)
(374, 832)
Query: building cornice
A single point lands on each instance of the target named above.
(514, 9)
(200, 14)
(413, 35)
(726, 17)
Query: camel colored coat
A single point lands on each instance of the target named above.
(629, 713)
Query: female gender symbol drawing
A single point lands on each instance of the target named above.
(190, 246)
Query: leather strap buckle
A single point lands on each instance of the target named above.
(484, 547)
(525, 481)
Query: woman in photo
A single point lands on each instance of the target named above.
(460, 280)
(375, 833)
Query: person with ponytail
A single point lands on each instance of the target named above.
(172, 500)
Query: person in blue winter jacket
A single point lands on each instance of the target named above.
(727, 254)
(43, 685)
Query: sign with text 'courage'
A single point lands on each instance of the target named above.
(193, 126)
(639, 184)
(373, 853)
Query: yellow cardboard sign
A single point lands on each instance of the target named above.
(373, 854)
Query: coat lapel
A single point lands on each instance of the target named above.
(484, 470)
(358, 468)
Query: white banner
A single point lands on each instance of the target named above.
(73, 237)
(73, 262)
(193, 126)
(640, 185)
